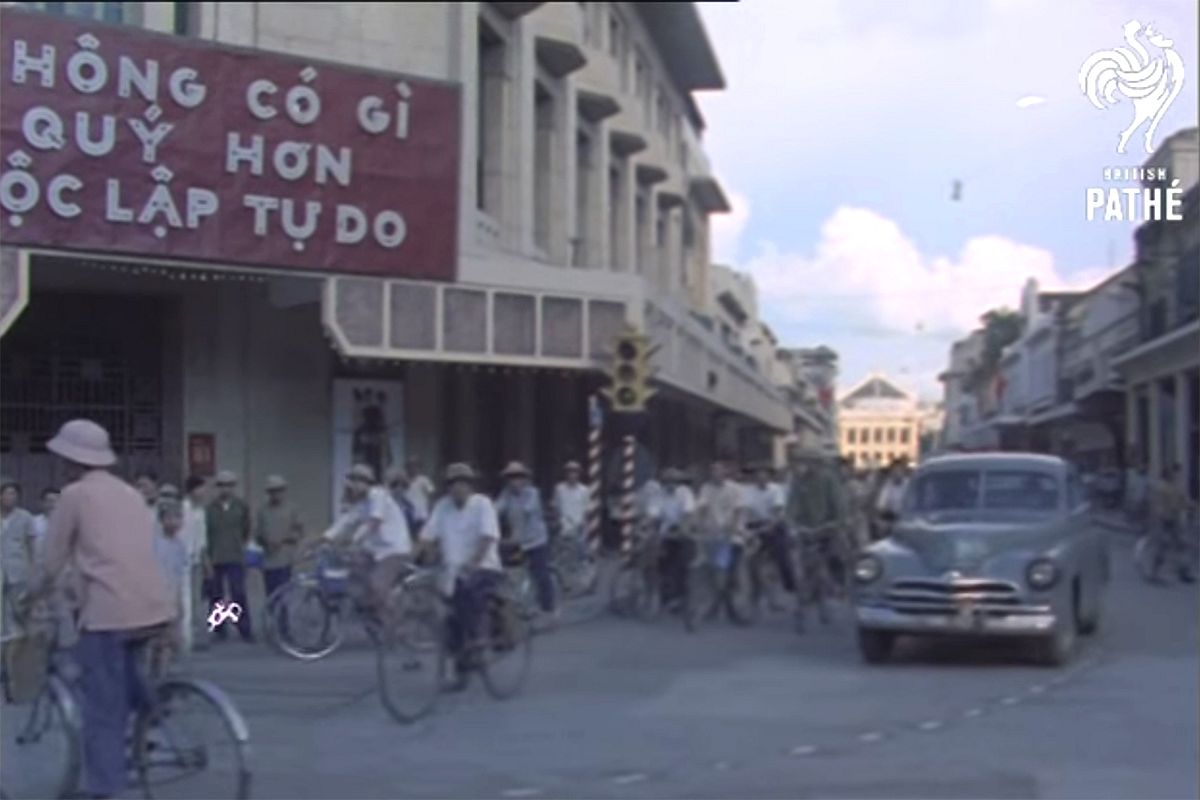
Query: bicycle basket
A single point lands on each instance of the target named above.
(26, 659)
(333, 576)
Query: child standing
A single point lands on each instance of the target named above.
(173, 559)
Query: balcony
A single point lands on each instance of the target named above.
(1088, 360)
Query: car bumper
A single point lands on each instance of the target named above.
(1030, 622)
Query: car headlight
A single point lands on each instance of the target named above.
(1041, 573)
(867, 569)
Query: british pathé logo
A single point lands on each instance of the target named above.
(1151, 82)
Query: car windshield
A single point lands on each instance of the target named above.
(1003, 490)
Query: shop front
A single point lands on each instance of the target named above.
(172, 211)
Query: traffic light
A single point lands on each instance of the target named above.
(629, 380)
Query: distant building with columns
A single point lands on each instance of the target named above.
(879, 422)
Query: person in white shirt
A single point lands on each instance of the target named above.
(376, 526)
(571, 498)
(764, 504)
(891, 496)
(719, 514)
(420, 490)
(673, 516)
(195, 540)
(465, 529)
(42, 521)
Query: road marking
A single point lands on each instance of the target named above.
(871, 736)
(632, 777)
(804, 750)
(971, 713)
(931, 725)
(523, 792)
(1010, 701)
(1037, 689)
(721, 765)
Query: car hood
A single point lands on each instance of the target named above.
(962, 541)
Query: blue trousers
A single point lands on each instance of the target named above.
(470, 599)
(111, 689)
(233, 576)
(537, 561)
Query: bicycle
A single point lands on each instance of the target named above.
(163, 750)
(635, 590)
(574, 563)
(718, 580)
(1178, 545)
(503, 651)
(767, 590)
(305, 617)
(410, 653)
(816, 584)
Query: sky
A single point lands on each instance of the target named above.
(845, 125)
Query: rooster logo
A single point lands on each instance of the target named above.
(1151, 83)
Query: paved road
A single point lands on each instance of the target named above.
(617, 709)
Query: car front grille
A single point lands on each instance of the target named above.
(933, 596)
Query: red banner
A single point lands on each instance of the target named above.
(117, 140)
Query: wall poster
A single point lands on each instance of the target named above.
(368, 428)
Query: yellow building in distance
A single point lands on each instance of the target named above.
(879, 422)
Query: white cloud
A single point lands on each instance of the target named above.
(726, 229)
(884, 304)
(866, 269)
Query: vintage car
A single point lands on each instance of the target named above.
(990, 544)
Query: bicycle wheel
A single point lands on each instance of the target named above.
(625, 592)
(700, 597)
(507, 648)
(303, 622)
(1146, 555)
(41, 744)
(410, 657)
(192, 743)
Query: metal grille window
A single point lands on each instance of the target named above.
(464, 321)
(562, 327)
(413, 308)
(515, 325)
(607, 319)
(117, 13)
(81, 356)
(359, 312)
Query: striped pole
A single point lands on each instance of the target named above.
(595, 430)
(628, 451)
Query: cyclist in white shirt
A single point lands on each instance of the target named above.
(764, 518)
(419, 491)
(673, 515)
(464, 527)
(375, 524)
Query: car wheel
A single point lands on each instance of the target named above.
(1057, 649)
(875, 646)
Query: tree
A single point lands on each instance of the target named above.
(1001, 327)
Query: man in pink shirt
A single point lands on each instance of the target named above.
(100, 525)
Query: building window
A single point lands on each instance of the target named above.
(852, 436)
(687, 251)
(879, 436)
(660, 238)
(891, 435)
(585, 12)
(663, 120)
(545, 118)
(490, 113)
(618, 223)
(117, 13)
(904, 434)
(616, 36)
(583, 204)
(642, 214)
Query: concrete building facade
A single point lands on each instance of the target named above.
(583, 199)
(878, 423)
